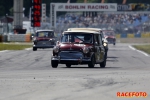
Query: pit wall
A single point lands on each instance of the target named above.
(15, 38)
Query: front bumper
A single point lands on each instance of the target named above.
(72, 61)
(43, 46)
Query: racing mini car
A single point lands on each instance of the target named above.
(79, 47)
(43, 39)
(105, 42)
(109, 35)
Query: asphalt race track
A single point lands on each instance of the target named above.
(28, 75)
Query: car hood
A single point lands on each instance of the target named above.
(72, 46)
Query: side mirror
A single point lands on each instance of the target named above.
(57, 43)
(96, 43)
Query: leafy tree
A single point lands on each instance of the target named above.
(11, 11)
(2, 10)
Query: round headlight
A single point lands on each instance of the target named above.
(105, 44)
(56, 49)
(34, 39)
(85, 50)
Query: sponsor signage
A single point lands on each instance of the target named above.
(134, 7)
(94, 7)
(85, 7)
(36, 13)
(123, 7)
(140, 6)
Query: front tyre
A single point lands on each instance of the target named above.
(68, 65)
(106, 54)
(103, 64)
(91, 64)
(54, 63)
(34, 48)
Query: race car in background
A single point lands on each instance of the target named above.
(43, 39)
(109, 35)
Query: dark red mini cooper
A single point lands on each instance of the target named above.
(43, 39)
(79, 47)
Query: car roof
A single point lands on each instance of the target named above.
(82, 31)
(43, 30)
(90, 29)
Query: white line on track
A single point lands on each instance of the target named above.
(3, 51)
(138, 50)
(28, 49)
(131, 47)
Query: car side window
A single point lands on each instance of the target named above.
(102, 34)
(96, 38)
(100, 39)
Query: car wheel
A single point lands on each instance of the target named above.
(106, 54)
(91, 64)
(34, 49)
(114, 43)
(54, 64)
(68, 65)
(103, 64)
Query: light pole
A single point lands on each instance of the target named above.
(7, 29)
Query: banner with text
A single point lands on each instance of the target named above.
(85, 7)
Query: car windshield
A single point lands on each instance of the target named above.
(48, 34)
(77, 38)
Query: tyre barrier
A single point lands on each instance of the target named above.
(143, 35)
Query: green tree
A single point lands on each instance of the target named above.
(2, 10)
(5, 6)
(11, 11)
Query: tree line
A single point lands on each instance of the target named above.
(6, 6)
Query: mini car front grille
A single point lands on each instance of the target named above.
(70, 54)
(44, 42)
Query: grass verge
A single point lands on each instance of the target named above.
(13, 46)
(145, 48)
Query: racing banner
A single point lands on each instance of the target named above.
(85, 7)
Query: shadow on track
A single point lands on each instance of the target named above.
(91, 68)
